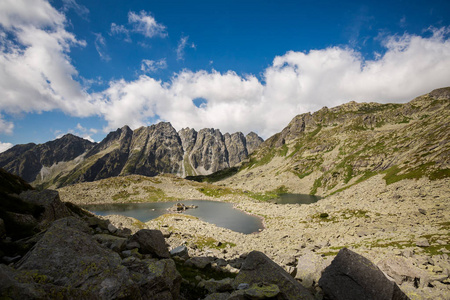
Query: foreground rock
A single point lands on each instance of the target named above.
(258, 269)
(352, 276)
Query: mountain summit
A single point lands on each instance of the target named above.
(334, 148)
(146, 151)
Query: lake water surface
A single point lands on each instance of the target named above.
(221, 214)
(296, 199)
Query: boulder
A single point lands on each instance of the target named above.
(199, 262)
(54, 209)
(157, 279)
(352, 276)
(219, 286)
(150, 242)
(309, 269)
(181, 251)
(403, 270)
(72, 258)
(258, 268)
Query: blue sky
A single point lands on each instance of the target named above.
(89, 67)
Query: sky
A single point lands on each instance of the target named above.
(89, 67)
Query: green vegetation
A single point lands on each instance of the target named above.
(215, 191)
(214, 177)
(392, 174)
(208, 242)
(268, 195)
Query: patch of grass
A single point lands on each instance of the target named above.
(154, 194)
(353, 214)
(392, 174)
(215, 191)
(317, 184)
(439, 174)
(123, 195)
(269, 195)
(209, 242)
(214, 177)
(284, 150)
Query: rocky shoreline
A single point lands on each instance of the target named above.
(401, 227)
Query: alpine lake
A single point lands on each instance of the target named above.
(219, 213)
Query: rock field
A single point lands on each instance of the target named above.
(402, 227)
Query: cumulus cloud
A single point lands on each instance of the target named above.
(151, 66)
(5, 146)
(146, 24)
(295, 83)
(182, 44)
(36, 73)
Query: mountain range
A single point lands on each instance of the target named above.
(335, 148)
(146, 151)
(316, 153)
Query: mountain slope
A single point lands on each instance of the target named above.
(145, 151)
(332, 149)
(31, 161)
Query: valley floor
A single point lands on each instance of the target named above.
(404, 228)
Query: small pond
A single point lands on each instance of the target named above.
(295, 199)
(221, 214)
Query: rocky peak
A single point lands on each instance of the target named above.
(188, 137)
(253, 141)
(440, 94)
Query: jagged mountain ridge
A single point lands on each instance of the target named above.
(27, 160)
(333, 148)
(146, 151)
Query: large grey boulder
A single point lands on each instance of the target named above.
(258, 268)
(150, 242)
(70, 257)
(352, 276)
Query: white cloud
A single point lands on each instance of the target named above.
(5, 146)
(100, 46)
(146, 24)
(295, 83)
(151, 66)
(81, 10)
(36, 73)
(120, 30)
(79, 130)
(182, 44)
(5, 126)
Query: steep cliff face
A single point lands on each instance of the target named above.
(145, 151)
(209, 151)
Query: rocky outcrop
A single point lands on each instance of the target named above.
(258, 268)
(352, 276)
(145, 151)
